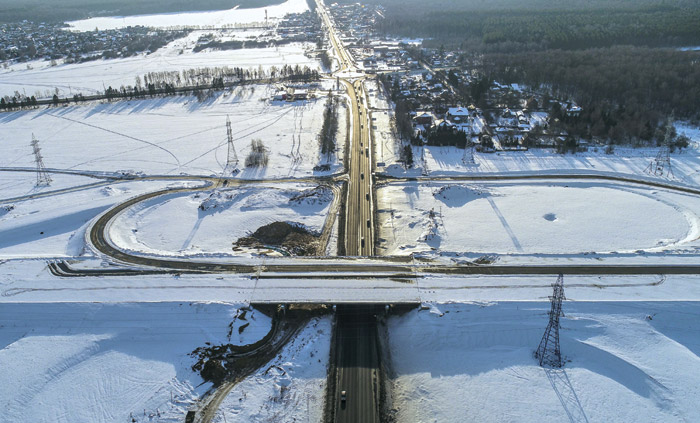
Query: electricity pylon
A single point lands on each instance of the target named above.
(548, 353)
(661, 165)
(231, 157)
(468, 157)
(42, 176)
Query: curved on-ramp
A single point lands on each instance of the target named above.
(374, 266)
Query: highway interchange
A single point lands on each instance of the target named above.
(356, 349)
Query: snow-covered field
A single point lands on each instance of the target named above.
(107, 363)
(193, 19)
(40, 79)
(625, 361)
(564, 217)
(629, 161)
(76, 362)
(54, 226)
(173, 135)
(177, 225)
(452, 161)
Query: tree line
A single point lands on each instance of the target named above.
(329, 129)
(201, 82)
(241, 44)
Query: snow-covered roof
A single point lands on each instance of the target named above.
(457, 111)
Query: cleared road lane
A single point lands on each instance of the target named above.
(358, 364)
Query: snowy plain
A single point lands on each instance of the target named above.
(177, 224)
(625, 361)
(54, 226)
(97, 363)
(174, 135)
(40, 79)
(193, 19)
(23, 183)
(447, 161)
(551, 217)
(72, 362)
(122, 358)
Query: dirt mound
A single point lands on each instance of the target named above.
(291, 237)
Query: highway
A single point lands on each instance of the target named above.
(356, 329)
(359, 222)
(359, 219)
(357, 358)
(343, 55)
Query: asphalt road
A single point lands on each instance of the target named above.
(356, 331)
(357, 358)
(359, 221)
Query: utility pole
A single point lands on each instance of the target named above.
(42, 176)
(661, 165)
(548, 352)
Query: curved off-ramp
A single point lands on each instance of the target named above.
(351, 267)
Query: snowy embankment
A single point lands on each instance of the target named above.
(211, 221)
(551, 217)
(290, 388)
(629, 361)
(216, 18)
(173, 135)
(448, 161)
(99, 363)
(20, 184)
